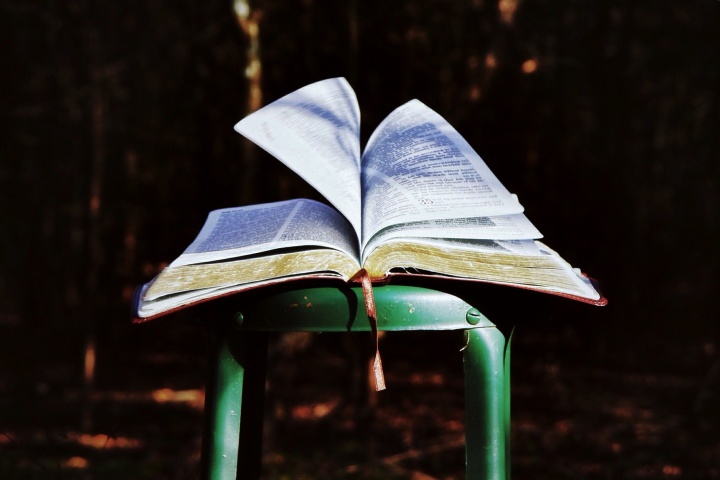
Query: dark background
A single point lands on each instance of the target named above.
(116, 140)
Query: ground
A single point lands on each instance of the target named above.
(583, 406)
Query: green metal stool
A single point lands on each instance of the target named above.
(233, 412)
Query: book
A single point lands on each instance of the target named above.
(417, 201)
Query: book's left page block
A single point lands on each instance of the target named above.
(243, 231)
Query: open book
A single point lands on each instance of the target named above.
(417, 201)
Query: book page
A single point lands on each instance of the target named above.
(315, 131)
(417, 167)
(506, 227)
(243, 231)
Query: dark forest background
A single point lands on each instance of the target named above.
(604, 117)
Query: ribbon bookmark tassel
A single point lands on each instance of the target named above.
(378, 372)
(364, 279)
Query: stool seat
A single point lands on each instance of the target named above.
(233, 412)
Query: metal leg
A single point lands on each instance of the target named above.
(506, 392)
(254, 359)
(487, 405)
(238, 363)
(223, 403)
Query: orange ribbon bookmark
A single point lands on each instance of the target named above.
(364, 279)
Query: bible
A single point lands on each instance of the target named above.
(417, 201)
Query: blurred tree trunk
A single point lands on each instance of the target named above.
(354, 32)
(94, 250)
(249, 21)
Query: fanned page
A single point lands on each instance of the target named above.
(417, 167)
(503, 227)
(243, 231)
(315, 131)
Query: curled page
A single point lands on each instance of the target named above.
(315, 131)
(417, 167)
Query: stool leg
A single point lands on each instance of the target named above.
(253, 405)
(236, 381)
(487, 405)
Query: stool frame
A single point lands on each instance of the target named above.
(232, 442)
